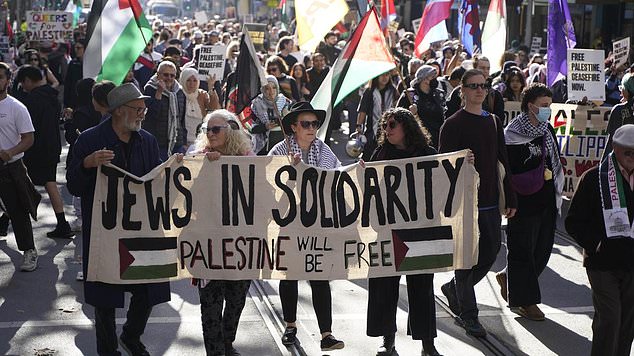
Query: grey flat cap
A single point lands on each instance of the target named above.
(624, 136)
(123, 94)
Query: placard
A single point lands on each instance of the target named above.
(201, 18)
(52, 26)
(256, 31)
(536, 44)
(264, 218)
(621, 51)
(416, 24)
(211, 61)
(585, 74)
(5, 48)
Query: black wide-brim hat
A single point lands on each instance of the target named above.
(298, 108)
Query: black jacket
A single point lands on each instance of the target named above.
(45, 110)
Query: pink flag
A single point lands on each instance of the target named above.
(436, 11)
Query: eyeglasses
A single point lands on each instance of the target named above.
(169, 75)
(315, 124)
(474, 86)
(139, 111)
(216, 129)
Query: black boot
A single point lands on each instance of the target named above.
(429, 349)
(4, 224)
(230, 350)
(387, 349)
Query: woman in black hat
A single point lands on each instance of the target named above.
(300, 125)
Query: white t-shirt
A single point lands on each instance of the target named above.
(14, 121)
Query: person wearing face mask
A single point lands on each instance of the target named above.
(426, 100)
(537, 179)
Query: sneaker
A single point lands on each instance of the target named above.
(501, 278)
(75, 225)
(449, 291)
(290, 335)
(133, 347)
(4, 224)
(530, 312)
(62, 231)
(387, 349)
(330, 343)
(29, 264)
(472, 326)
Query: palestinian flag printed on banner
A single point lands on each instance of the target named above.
(423, 248)
(364, 57)
(117, 34)
(148, 258)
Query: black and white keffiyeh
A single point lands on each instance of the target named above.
(319, 154)
(520, 131)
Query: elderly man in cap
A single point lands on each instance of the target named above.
(120, 141)
(600, 220)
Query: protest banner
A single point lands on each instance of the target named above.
(256, 31)
(621, 51)
(581, 133)
(201, 17)
(264, 218)
(536, 44)
(585, 74)
(211, 61)
(49, 26)
(5, 47)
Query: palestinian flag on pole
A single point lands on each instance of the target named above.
(117, 33)
(247, 82)
(364, 57)
(148, 258)
(423, 248)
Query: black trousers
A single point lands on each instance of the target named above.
(137, 317)
(489, 222)
(383, 301)
(613, 322)
(18, 213)
(220, 327)
(529, 242)
(322, 302)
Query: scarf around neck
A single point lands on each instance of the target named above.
(613, 201)
(173, 122)
(520, 131)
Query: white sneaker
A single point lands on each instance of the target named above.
(30, 261)
(75, 225)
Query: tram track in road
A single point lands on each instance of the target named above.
(491, 342)
(272, 320)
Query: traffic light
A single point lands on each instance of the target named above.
(187, 5)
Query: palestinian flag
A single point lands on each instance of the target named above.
(148, 258)
(117, 33)
(423, 248)
(364, 57)
(248, 79)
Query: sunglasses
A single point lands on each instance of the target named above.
(216, 129)
(475, 86)
(315, 124)
(139, 111)
(391, 124)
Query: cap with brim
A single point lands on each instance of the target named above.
(624, 136)
(298, 108)
(425, 71)
(123, 94)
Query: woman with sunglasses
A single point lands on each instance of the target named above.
(402, 135)
(221, 136)
(301, 124)
(33, 58)
(538, 180)
(268, 108)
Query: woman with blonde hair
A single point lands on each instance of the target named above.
(221, 136)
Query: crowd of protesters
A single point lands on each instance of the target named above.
(442, 101)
